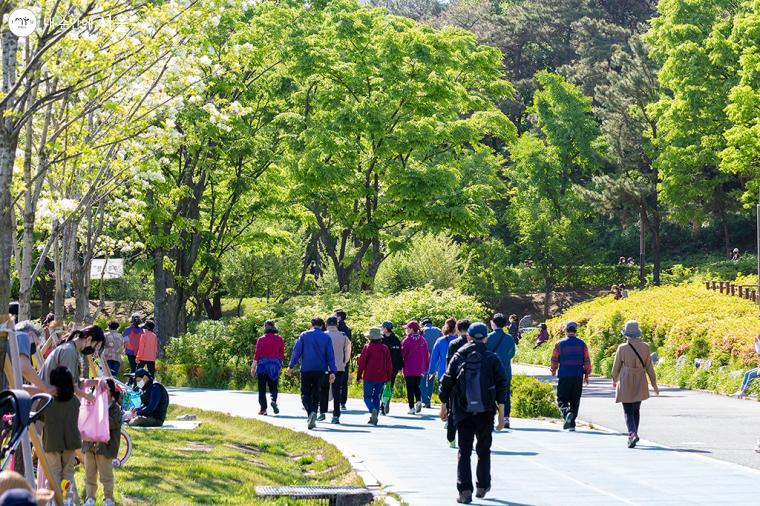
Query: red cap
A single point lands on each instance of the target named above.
(412, 324)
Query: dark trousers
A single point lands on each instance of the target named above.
(114, 366)
(508, 400)
(569, 391)
(337, 391)
(343, 386)
(413, 393)
(150, 366)
(132, 363)
(631, 410)
(451, 428)
(311, 383)
(477, 427)
(264, 382)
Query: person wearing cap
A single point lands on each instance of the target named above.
(267, 364)
(632, 365)
(147, 350)
(431, 334)
(397, 360)
(342, 351)
(503, 345)
(314, 351)
(374, 367)
(570, 357)
(343, 327)
(414, 351)
(132, 340)
(470, 425)
(154, 401)
(735, 255)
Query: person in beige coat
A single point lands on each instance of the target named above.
(633, 364)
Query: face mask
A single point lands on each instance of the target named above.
(140, 383)
(88, 350)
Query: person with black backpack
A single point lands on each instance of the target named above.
(476, 384)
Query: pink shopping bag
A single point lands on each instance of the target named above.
(93, 416)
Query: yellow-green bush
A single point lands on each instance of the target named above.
(676, 320)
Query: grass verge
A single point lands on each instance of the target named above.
(222, 462)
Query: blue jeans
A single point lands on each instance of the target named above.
(114, 365)
(749, 376)
(426, 387)
(372, 392)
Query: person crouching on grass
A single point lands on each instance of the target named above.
(375, 367)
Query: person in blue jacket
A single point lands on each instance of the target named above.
(503, 345)
(431, 334)
(314, 350)
(440, 348)
(155, 401)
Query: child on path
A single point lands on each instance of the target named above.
(375, 367)
(571, 358)
(414, 350)
(147, 351)
(61, 437)
(98, 457)
(267, 364)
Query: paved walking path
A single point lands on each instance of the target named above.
(714, 425)
(535, 463)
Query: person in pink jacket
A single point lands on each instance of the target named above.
(414, 350)
(148, 349)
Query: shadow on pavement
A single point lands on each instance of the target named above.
(678, 450)
(534, 429)
(514, 454)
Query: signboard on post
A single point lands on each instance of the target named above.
(108, 268)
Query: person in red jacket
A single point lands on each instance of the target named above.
(375, 367)
(267, 364)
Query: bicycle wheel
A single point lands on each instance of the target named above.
(125, 449)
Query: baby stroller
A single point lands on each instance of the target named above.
(18, 415)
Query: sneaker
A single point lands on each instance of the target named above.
(275, 408)
(631, 441)
(382, 408)
(89, 502)
(411, 411)
(373, 417)
(506, 423)
(109, 502)
(568, 421)
(312, 420)
(418, 406)
(571, 429)
(343, 407)
(262, 412)
(465, 497)
(757, 446)
(321, 417)
(635, 439)
(453, 444)
(335, 420)
(480, 493)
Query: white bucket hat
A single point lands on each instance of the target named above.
(631, 329)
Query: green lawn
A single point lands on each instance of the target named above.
(222, 462)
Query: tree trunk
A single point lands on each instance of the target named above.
(548, 288)
(726, 238)
(654, 228)
(58, 294)
(164, 300)
(642, 246)
(8, 144)
(373, 267)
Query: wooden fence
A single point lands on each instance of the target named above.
(748, 292)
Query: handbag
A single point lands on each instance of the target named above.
(93, 416)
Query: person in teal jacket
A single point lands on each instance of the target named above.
(503, 345)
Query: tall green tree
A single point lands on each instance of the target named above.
(390, 135)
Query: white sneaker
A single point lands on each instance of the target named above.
(418, 406)
(757, 446)
(109, 502)
(739, 394)
(412, 411)
(89, 502)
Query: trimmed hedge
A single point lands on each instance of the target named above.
(676, 321)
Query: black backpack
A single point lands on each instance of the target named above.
(469, 383)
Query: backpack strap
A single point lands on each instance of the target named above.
(637, 354)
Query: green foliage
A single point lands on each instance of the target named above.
(532, 398)
(432, 260)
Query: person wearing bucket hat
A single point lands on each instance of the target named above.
(375, 368)
(267, 364)
(571, 362)
(633, 363)
(414, 351)
(394, 345)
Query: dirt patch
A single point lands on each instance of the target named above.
(192, 446)
(245, 448)
(533, 303)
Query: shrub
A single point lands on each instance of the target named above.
(432, 260)
(533, 399)
(676, 320)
